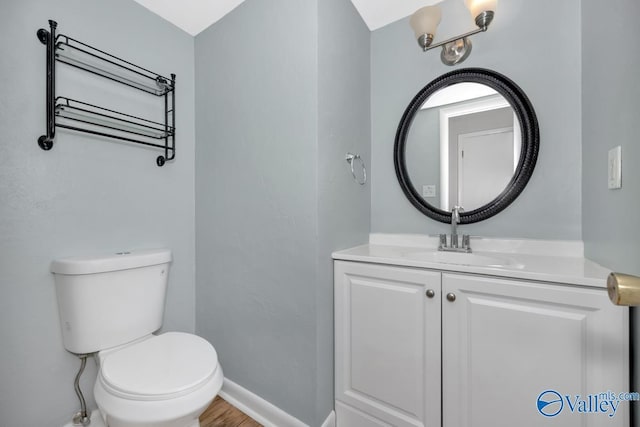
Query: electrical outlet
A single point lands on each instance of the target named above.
(615, 168)
(428, 191)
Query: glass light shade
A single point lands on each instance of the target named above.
(425, 20)
(476, 7)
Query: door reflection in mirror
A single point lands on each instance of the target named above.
(465, 142)
(485, 166)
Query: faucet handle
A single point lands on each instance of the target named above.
(465, 242)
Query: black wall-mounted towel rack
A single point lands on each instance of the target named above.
(85, 117)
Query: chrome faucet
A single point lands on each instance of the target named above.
(455, 219)
(454, 246)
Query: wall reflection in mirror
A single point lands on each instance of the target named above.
(463, 147)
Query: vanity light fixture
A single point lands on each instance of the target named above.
(456, 49)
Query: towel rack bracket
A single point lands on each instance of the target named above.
(43, 35)
(45, 143)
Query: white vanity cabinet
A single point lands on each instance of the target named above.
(421, 347)
(387, 346)
(506, 341)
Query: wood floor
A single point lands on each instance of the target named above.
(221, 414)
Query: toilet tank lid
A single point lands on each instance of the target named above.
(110, 262)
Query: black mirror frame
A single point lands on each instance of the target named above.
(530, 142)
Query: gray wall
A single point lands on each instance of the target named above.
(85, 196)
(516, 47)
(275, 196)
(344, 207)
(256, 211)
(610, 105)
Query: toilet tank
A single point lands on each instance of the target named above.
(109, 300)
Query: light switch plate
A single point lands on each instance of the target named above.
(615, 168)
(428, 191)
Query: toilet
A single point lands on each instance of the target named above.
(111, 305)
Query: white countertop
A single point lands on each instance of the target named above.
(546, 261)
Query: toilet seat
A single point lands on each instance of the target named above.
(162, 367)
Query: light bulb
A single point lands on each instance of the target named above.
(425, 20)
(476, 7)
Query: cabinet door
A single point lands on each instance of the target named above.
(505, 342)
(388, 343)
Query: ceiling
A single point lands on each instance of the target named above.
(378, 13)
(193, 16)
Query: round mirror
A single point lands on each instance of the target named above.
(469, 138)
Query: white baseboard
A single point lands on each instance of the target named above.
(262, 411)
(256, 407)
(330, 421)
(251, 404)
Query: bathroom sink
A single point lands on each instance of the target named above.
(462, 258)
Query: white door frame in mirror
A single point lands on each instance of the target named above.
(474, 106)
(491, 151)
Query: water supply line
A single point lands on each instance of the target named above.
(81, 418)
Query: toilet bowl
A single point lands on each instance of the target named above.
(111, 305)
(163, 380)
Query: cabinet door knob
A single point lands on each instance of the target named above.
(451, 297)
(431, 293)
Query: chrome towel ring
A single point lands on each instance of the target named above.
(351, 158)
